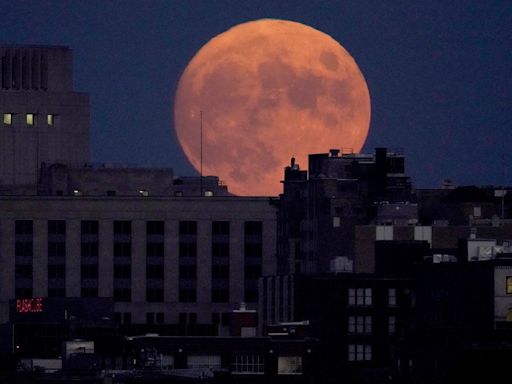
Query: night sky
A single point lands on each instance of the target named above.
(439, 72)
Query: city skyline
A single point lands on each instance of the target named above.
(437, 74)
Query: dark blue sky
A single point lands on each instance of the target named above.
(439, 72)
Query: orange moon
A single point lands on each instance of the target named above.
(269, 90)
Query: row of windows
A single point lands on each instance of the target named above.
(364, 296)
(364, 325)
(30, 119)
(121, 227)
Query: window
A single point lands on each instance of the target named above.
(30, 119)
(122, 295)
(127, 318)
(89, 271)
(391, 325)
(360, 324)
(359, 352)
(188, 272)
(89, 249)
(23, 227)
(509, 285)
(123, 271)
(155, 249)
(252, 271)
(251, 295)
(208, 193)
(122, 249)
(187, 295)
(391, 297)
(215, 318)
(336, 222)
(150, 318)
(56, 271)
(122, 228)
(249, 364)
(154, 295)
(159, 317)
(8, 118)
(220, 295)
(155, 228)
(50, 119)
(56, 227)
(220, 228)
(359, 296)
(220, 249)
(56, 292)
(188, 249)
(56, 249)
(188, 228)
(89, 292)
(203, 361)
(23, 271)
(89, 227)
(154, 272)
(289, 365)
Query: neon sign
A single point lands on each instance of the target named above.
(34, 305)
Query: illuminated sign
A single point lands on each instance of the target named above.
(34, 305)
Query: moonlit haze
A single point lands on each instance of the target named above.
(269, 90)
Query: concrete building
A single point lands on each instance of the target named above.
(44, 120)
(165, 250)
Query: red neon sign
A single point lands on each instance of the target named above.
(34, 305)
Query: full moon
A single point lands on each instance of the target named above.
(268, 90)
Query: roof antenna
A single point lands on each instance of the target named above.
(201, 155)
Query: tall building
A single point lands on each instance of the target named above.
(162, 250)
(44, 120)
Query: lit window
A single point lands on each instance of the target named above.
(360, 324)
(289, 365)
(359, 296)
(249, 364)
(50, 119)
(77, 192)
(509, 285)
(203, 361)
(336, 221)
(391, 297)
(144, 192)
(359, 352)
(30, 119)
(7, 118)
(208, 193)
(391, 325)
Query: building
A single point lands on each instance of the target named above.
(319, 209)
(44, 120)
(174, 255)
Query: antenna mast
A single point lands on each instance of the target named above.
(201, 155)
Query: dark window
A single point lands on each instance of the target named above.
(89, 227)
(155, 228)
(23, 248)
(122, 271)
(182, 318)
(122, 227)
(154, 295)
(188, 228)
(187, 295)
(122, 249)
(117, 317)
(188, 271)
(220, 228)
(154, 271)
(159, 317)
(220, 249)
(23, 227)
(252, 271)
(56, 271)
(150, 318)
(155, 249)
(89, 271)
(89, 249)
(56, 292)
(56, 249)
(127, 318)
(215, 318)
(253, 228)
(220, 295)
(253, 249)
(188, 249)
(111, 193)
(192, 318)
(251, 295)
(23, 293)
(89, 292)
(220, 271)
(56, 227)
(225, 319)
(122, 294)
(23, 271)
